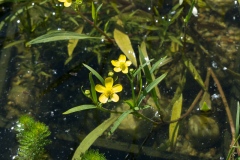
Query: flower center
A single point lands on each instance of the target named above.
(108, 92)
(122, 65)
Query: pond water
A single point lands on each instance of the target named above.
(45, 44)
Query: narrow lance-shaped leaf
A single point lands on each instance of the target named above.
(194, 72)
(92, 136)
(119, 120)
(94, 15)
(72, 43)
(150, 87)
(59, 35)
(93, 91)
(155, 82)
(80, 108)
(141, 68)
(95, 73)
(161, 62)
(156, 93)
(173, 127)
(124, 42)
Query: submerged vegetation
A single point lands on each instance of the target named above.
(33, 138)
(93, 155)
(160, 52)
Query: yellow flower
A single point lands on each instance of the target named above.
(67, 3)
(121, 64)
(109, 91)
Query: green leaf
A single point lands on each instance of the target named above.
(72, 43)
(14, 43)
(99, 7)
(95, 73)
(119, 120)
(59, 35)
(237, 120)
(187, 18)
(173, 127)
(155, 82)
(143, 57)
(80, 108)
(92, 136)
(94, 15)
(130, 103)
(174, 39)
(176, 15)
(157, 64)
(205, 103)
(150, 87)
(124, 43)
(93, 91)
(150, 28)
(141, 67)
(194, 72)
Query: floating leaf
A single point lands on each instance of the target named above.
(92, 136)
(59, 35)
(124, 43)
(80, 108)
(173, 127)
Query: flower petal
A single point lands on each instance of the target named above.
(109, 82)
(115, 63)
(195, 11)
(115, 97)
(117, 69)
(125, 70)
(117, 88)
(61, 0)
(180, 2)
(67, 4)
(99, 88)
(122, 58)
(128, 63)
(103, 98)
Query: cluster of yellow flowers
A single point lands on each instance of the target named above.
(109, 91)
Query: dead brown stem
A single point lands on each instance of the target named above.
(226, 106)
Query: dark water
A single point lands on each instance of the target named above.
(48, 87)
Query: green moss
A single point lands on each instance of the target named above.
(32, 137)
(93, 155)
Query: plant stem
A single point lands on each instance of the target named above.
(133, 92)
(96, 27)
(226, 106)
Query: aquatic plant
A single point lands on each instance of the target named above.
(32, 137)
(109, 91)
(126, 28)
(121, 64)
(93, 155)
